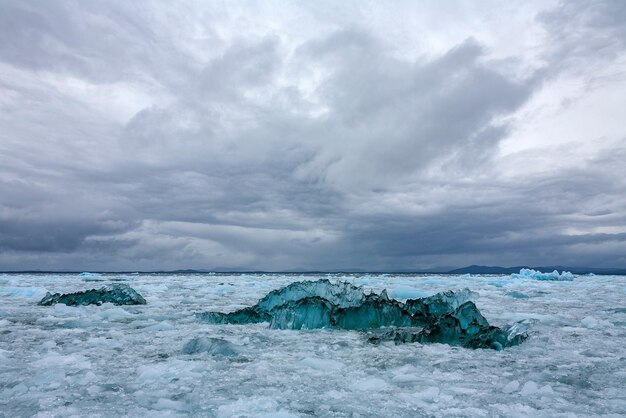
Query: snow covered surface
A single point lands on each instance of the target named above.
(129, 360)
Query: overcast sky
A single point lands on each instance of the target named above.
(320, 135)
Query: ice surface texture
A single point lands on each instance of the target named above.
(117, 294)
(105, 361)
(447, 317)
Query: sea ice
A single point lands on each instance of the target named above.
(128, 361)
(118, 294)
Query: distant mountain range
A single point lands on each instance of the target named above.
(473, 269)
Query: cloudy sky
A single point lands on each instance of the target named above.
(320, 135)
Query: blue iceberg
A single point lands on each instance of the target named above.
(118, 294)
(448, 317)
(538, 275)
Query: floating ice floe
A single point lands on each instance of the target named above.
(538, 275)
(448, 317)
(118, 294)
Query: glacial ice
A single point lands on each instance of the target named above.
(315, 312)
(538, 275)
(213, 346)
(118, 294)
(307, 313)
(447, 317)
(250, 315)
(464, 327)
(437, 305)
(376, 311)
(341, 294)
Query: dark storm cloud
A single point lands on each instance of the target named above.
(144, 137)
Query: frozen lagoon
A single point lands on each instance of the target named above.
(114, 361)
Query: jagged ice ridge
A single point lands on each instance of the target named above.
(117, 294)
(447, 317)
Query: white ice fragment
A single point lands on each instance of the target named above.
(161, 326)
(406, 378)
(546, 390)
(48, 344)
(511, 387)
(84, 379)
(322, 364)
(529, 388)
(371, 384)
(589, 322)
(150, 288)
(164, 404)
(16, 390)
(93, 390)
(429, 394)
(4, 356)
(515, 410)
(113, 314)
(53, 359)
(255, 406)
(592, 322)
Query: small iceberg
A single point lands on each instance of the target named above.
(448, 317)
(538, 275)
(118, 294)
(213, 346)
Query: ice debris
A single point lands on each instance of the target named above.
(538, 275)
(448, 317)
(118, 294)
(213, 346)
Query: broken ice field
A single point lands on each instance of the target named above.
(291, 345)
